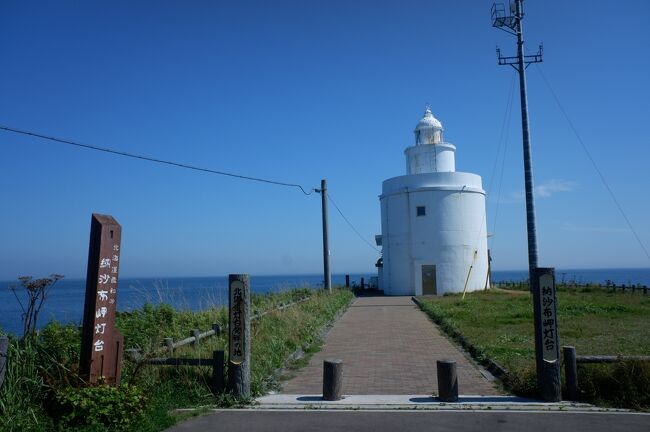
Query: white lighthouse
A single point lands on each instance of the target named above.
(433, 225)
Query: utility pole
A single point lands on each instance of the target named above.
(541, 280)
(512, 24)
(327, 274)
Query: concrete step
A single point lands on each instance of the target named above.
(418, 402)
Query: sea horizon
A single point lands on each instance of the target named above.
(65, 301)
(558, 270)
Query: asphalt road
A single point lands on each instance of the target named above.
(385, 421)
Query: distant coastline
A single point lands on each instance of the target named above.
(66, 299)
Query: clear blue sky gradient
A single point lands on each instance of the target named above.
(296, 92)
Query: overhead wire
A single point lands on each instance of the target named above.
(593, 162)
(152, 159)
(505, 129)
(501, 133)
(507, 119)
(329, 197)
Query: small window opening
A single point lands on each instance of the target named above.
(421, 211)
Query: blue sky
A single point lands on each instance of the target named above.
(296, 92)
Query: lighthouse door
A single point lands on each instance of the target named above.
(429, 280)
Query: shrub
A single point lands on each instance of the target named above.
(523, 382)
(58, 354)
(625, 384)
(99, 407)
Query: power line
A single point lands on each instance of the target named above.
(593, 162)
(151, 159)
(501, 133)
(508, 117)
(329, 196)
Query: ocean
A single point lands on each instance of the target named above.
(65, 301)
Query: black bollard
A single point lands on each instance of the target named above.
(447, 381)
(332, 379)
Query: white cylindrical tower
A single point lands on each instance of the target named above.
(434, 231)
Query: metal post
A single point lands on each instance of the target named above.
(239, 359)
(327, 275)
(347, 281)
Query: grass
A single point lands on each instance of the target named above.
(498, 325)
(41, 369)
(20, 407)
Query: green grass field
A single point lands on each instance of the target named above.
(498, 324)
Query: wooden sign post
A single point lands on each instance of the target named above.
(239, 359)
(547, 339)
(101, 343)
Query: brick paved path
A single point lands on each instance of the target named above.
(388, 346)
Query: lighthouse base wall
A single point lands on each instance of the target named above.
(434, 234)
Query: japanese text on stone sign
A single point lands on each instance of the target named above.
(549, 324)
(236, 321)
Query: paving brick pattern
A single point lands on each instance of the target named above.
(388, 346)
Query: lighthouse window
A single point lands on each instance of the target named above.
(421, 211)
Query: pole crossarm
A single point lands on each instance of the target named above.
(514, 60)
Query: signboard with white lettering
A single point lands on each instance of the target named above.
(101, 342)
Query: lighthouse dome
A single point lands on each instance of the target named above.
(428, 130)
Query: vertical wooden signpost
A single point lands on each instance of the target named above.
(101, 343)
(239, 359)
(547, 339)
